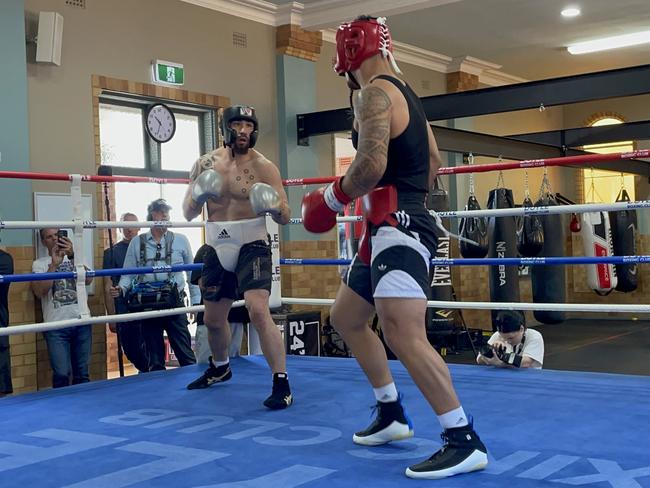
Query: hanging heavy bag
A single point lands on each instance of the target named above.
(530, 233)
(504, 280)
(440, 319)
(596, 236)
(623, 224)
(549, 282)
(473, 229)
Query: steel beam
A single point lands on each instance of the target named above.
(462, 141)
(555, 91)
(630, 131)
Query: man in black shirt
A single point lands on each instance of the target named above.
(130, 332)
(6, 267)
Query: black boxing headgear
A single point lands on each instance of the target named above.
(238, 112)
(509, 321)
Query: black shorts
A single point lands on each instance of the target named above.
(253, 272)
(399, 265)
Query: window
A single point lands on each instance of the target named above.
(604, 186)
(126, 145)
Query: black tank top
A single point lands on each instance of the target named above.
(408, 154)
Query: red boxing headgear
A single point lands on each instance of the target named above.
(359, 40)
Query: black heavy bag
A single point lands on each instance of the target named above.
(623, 226)
(440, 320)
(530, 233)
(549, 282)
(504, 280)
(474, 229)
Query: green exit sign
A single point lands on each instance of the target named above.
(168, 73)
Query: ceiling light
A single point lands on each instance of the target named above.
(570, 12)
(610, 43)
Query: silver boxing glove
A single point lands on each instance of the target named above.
(209, 184)
(265, 199)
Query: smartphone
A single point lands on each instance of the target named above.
(61, 233)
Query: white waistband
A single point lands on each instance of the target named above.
(236, 231)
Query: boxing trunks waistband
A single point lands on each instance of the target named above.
(227, 238)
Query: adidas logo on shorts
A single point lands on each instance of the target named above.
(382, 267)
(223, 234)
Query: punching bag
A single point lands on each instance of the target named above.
(549, 282)
(474, 229)
(530, 233)
(624, 225)
(504, 280)
(440, 319)
(596, 236)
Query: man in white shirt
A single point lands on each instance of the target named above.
(69, 348)
(513, 345)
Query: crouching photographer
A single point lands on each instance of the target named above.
(513, 345)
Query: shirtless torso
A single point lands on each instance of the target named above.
(239, 174)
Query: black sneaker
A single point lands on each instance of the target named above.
(281, 395)
(391, 424)
(462, 452)
(214, 374)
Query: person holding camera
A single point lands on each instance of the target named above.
(513, 345)
(161, 290)
(69, 348)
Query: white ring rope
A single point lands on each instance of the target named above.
(102, 319)
(559, 307)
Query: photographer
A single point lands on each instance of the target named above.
(69, 348)
(160, 290)
(513, 345)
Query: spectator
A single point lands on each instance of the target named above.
(156, 291)
(513, 345)
(130, 333)
(6, 268)
(69, 348)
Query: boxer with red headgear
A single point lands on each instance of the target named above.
(394, 168)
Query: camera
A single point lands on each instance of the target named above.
(61, 233)
(486, 351)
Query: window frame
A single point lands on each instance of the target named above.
(208, 137)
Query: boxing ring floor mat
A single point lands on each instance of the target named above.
(542, 428)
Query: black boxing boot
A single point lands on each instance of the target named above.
(462, 452)
(281, 394)
(391, 424)
(214, 374)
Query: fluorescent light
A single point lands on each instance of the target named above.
(610, 43)
(570, 12)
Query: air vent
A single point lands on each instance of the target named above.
(239, 39)
(76, 3)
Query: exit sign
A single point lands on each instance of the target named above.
(168, 73)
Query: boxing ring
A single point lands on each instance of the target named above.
(542, 427)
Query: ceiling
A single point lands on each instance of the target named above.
(528, 38)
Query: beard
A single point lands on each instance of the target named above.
(238, 148)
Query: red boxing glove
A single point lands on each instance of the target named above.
(320, 207)
(379, 204)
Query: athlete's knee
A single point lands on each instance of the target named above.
(258, 311)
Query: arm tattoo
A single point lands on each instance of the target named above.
(373, 112)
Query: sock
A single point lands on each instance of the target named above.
(453, 418)
(220, 363)
(386, 393)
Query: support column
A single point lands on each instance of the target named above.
(297, 49)
(15, 195)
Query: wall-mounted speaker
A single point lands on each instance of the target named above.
(50, 38)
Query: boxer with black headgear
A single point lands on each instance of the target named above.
(395, 165)
(238, 186)
(513, 345)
